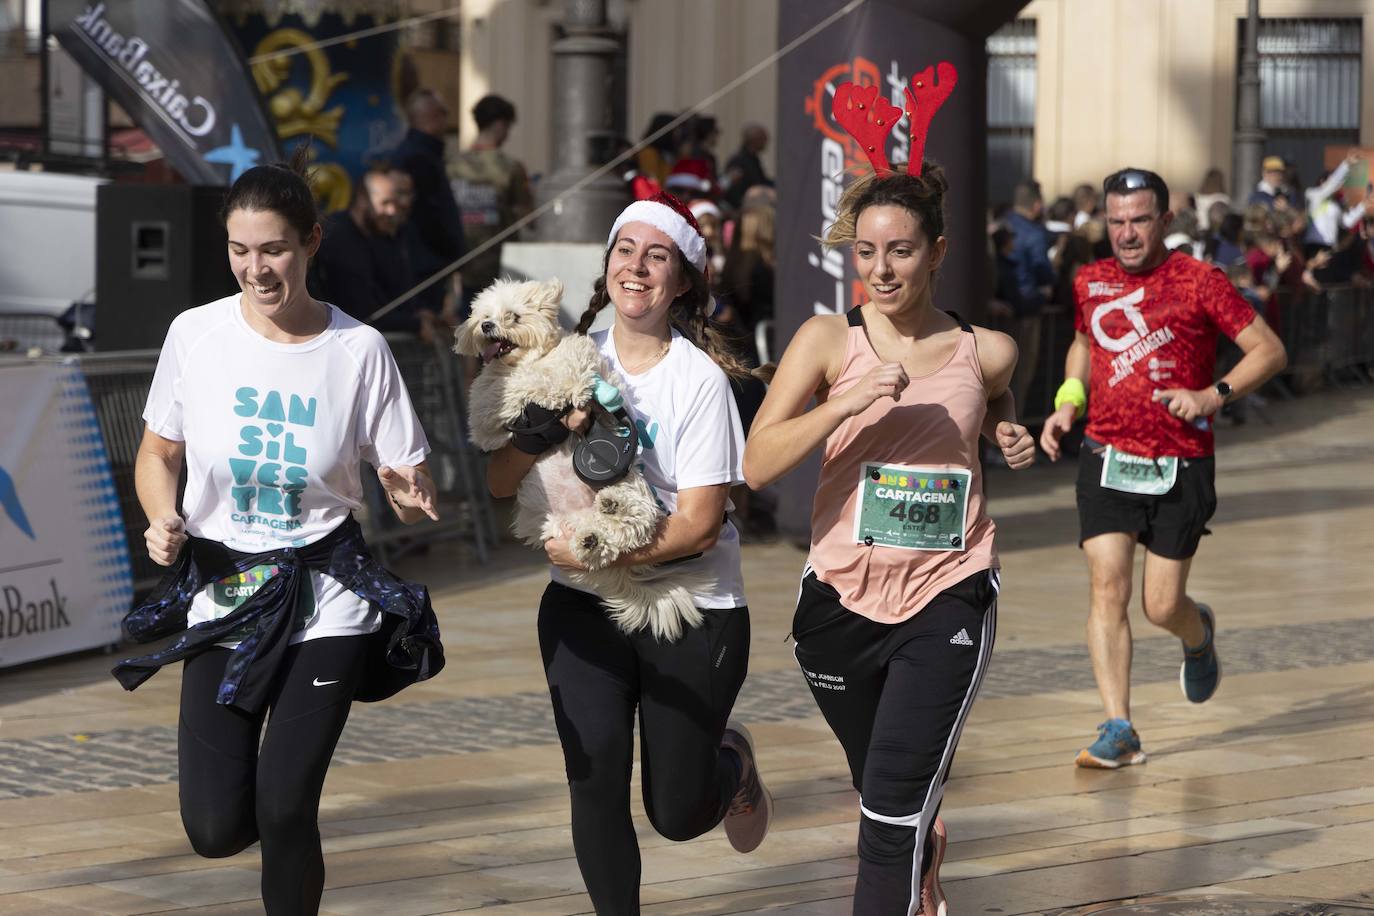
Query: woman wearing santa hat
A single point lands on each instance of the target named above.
(698, 768)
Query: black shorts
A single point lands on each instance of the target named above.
(1170, 525)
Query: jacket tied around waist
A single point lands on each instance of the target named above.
(405, 650)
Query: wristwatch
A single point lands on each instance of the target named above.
(1224, 389)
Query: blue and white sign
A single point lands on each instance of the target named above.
(65, 580)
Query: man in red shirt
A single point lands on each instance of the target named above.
(1142, 362)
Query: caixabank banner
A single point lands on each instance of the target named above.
(65, 580)
(174, 69)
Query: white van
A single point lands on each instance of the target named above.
(47, 224)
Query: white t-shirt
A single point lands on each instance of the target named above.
(274, 435)
(689, 436)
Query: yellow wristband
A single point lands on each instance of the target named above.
(1072, 392)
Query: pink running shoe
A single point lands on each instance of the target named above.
(933, 901)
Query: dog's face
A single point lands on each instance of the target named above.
(511, 319)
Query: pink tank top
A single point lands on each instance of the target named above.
(935, 424)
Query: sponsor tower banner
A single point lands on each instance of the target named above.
(883, 43)
(178, 74)
(65, 581)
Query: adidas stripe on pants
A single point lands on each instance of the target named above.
(896, 696)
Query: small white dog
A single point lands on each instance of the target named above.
(529, 359)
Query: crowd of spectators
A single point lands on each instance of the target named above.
(420, 208)
(416, 211)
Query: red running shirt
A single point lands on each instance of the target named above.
(1149, 331)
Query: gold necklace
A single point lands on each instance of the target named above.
(648, 363)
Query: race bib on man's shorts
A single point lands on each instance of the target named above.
(1136, 474)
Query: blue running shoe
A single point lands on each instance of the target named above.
(1117, 745)
(1201, 671)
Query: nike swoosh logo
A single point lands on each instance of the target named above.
(319, 683)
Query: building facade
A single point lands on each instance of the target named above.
(677, 54)
(1118, 82)
(1076, 89)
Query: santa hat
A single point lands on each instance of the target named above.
(670, 216)
(690, 174)
(702, 207)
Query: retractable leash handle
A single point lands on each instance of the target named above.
(607, 395)
(609, 447)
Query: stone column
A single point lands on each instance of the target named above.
(1249, 141)
(582, 128)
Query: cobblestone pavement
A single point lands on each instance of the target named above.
(378, 733)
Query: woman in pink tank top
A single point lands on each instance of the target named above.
(898, 603)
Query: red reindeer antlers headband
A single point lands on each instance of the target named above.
(868, 117)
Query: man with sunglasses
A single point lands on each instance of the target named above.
(1142, 363)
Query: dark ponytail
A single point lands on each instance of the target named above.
(282, 188)
(688, 315)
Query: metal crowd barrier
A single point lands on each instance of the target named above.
(20, 332)
(1329, 335)
(434, 378)
(119, 382)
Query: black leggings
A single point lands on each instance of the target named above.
(597, 675)
(235, 791)
(897, 696)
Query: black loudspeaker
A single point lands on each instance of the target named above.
(160, 249)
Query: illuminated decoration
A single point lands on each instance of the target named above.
(343, 98)
(298, 113)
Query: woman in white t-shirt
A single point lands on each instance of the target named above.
(697, 770)
(272, 400)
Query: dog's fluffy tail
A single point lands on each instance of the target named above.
(643, 597)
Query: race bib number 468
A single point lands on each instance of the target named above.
(912, 508)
